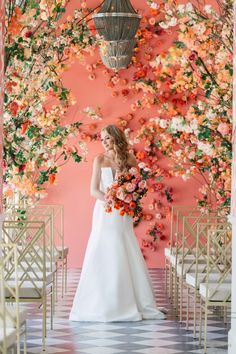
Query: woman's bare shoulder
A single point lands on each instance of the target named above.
(98, 160)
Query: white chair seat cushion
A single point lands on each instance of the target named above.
(188, 268)
(172, 251)
(201, 277)
(36, 275)
(48, 266)
(187, 259)
(215, 292)
(27, 289)
(10, 336)
(11, 308)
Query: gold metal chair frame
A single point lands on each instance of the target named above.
(221, 258)
(200, 258)
(30, 239)
(53, 216)
(177, 213)
(10, 254)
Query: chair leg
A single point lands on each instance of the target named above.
(25, 340)
(44, 329)
(56, 283)
(166, 275)
(200, 324)
(205, 329)
(52, 305)
(177, 297)
(62, 277)
(225, 315)
(187, 310)
(66, 274)
(195, 313)
(171, 282)
(181, 300)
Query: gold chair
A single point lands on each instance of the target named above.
(172, 252)
(60, 250)
(12, 317)
(218, 293)
(34, 282)
(56, 251)
(196, 273)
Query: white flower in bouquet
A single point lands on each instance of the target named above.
(141, 165)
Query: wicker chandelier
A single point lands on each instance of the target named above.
(117, 22)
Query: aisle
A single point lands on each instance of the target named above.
(146, 337)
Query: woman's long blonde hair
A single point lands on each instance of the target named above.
(120, 146)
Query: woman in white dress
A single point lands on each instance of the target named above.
(114, 283)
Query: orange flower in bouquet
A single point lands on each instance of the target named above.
(126, 192)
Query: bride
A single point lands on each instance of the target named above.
(114, 283)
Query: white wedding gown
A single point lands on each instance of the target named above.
(114, 283)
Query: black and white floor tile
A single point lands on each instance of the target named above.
(144, 337)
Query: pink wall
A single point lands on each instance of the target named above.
(2, 13)
(72, 189)
(233, 199)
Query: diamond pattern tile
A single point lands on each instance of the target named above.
(144, 337)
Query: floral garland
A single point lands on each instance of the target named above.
(189, 85)
(38, 51)
(199, 67)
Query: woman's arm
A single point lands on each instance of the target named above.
(95, 180)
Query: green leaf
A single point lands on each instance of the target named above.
(57, 131)
(198, 62)
(179, 44)
(76, 157)
(204, 134)
(64, 93)
(229, 68)
(32, 131)
(199, 153)
(43, 177)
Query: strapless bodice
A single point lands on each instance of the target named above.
(106, 178)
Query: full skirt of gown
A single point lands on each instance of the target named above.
(114, 284)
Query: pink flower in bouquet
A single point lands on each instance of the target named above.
(130, 187)
(135, 196)
(142, 184)
(152, 21)
(134, 171)
(128, 198)
(120, 194)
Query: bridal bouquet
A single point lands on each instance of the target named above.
(126, 192)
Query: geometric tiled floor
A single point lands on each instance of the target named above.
(144, 337)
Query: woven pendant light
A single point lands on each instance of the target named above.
(117, 54)
(117, 22)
